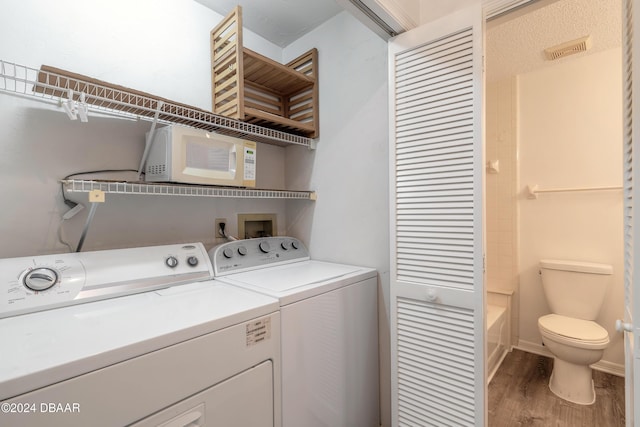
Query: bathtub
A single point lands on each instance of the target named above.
(497, 337)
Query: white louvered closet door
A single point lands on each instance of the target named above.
(437, 303)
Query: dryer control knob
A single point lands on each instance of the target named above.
(242, 250)
(294, 244)
(227, 252)
(192, 261)
(264, 247)
(172, 262)
(285, 245)
(40, 279)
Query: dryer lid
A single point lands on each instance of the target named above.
(289, 277)
(583, 330)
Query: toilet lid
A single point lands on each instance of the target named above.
(576, 329)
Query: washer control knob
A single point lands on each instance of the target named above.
(285, 245)
(264, 247)
(172, 262)
(227, 252)
(242, 250)
(294, 244)
(192, 261)
(40, 279)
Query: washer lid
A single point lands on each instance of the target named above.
(578, 329)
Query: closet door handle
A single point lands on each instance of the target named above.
(431, 296)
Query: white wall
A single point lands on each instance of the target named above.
(570, 135)
(433, 9)
(157, 46)
(349, 222)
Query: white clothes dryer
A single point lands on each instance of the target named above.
(176, 352)
(329, 328)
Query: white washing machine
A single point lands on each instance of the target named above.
(329, 328)
(182, 350)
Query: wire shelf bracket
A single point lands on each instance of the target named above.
(149, 140)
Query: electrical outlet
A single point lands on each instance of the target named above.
(219, 237)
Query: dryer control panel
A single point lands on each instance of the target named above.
(36, 283)
(249, 254)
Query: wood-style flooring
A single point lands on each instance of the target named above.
(519, 395)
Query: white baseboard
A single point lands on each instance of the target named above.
(609, 367)
(603, 365)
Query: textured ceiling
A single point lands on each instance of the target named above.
(279, 21)
(515, 43)
(515, 46)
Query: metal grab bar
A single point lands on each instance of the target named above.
(533, 190)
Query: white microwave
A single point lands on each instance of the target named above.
(194, 156)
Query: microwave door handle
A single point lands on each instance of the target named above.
(233, 160)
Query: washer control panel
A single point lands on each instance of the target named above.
(243, 255)
(29, 284)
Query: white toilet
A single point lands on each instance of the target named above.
(575, 292)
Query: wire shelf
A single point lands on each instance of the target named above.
(155, 189)
(52, 87)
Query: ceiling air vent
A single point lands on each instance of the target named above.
(568, 48)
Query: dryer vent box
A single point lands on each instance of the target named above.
(251, 226)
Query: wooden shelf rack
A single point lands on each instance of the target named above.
(250, 87)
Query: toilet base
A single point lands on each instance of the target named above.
(572, 382)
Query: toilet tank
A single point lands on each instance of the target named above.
(575, 288)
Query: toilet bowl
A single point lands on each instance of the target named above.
(575, 291)
(575, 344)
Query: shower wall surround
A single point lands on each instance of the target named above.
(501, 191)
